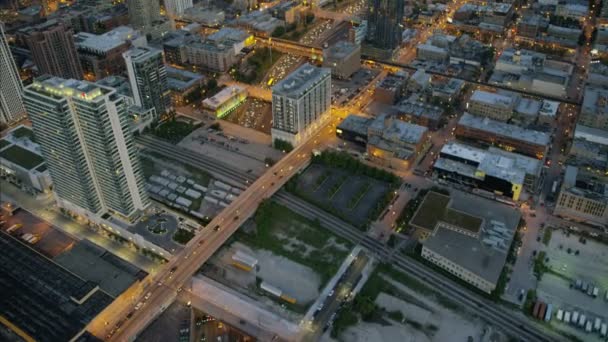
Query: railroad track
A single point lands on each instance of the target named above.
(514, 324)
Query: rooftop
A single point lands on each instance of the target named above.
(22, 157)
(47, 301)
(59, 88)
(485, 253)
(419, 109)
(223, 96)
(584, 184)
(591, 134)
(141, 53)
(434, 209)
(107, 41)
(504, 129)
(300, 81)
(549, 108)
(340, 50)
(595, 100)
(179, 79)
(356, 124)
(395, 130)
(493, 99)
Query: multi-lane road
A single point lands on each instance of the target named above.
(513, 322)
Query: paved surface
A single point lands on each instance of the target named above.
(44, 208)
(113, 323)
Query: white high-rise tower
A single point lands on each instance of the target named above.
(83, 131)
(11, 89)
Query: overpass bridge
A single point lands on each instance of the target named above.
(294, 48)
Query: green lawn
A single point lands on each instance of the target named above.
(182, 236)
(174, 130)
(434, 208)
(22, 157)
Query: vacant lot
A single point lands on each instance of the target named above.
(353, 197)
(288, 234)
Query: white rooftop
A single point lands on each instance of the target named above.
(492, 98)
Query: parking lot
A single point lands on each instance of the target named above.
(49, 241)
(354, 195)
(573, 260)
(254, 113)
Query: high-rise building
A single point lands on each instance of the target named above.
(83, 131)
(384, 22)
(53, 49)
(148, 78)
(11, 89)
(176, 8)
(300, 103)
(142, 13)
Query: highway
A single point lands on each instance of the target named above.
(513, 322)
(120, 322)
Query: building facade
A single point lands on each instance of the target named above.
(343, 58)
(142, 13)
(494, 106)
(11, 89)
(84, 134)
(53, 50)
(300, 103)
(148, 78)
(384, 23)
(583, 197)
(176, 8)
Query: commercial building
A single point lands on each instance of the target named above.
(531, 71)
(182, 83)
(83, 131)
(583, 197)
(47, 301)
(492, 105)
(343, 58)
(357, 31)
(494, 170)
(589, 150)
(176, 8)
(508, 137)
(384, 20)
(390, 89)
(262, 22)
(143, 13)
(466, 235)
(594, 111)
(101, 55)
(448, 90)
(53, 50)
(11, 89)
(395, 143)
(219, 51)
(420, 113)
(224, 102)
(21, 161)
(204, 15)
(148, 78)
(354, 128)
(429, 52)
(301, 102)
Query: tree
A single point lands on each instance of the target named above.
(279, 31)
(309, 18)
(211, 84)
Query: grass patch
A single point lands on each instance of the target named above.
(403, 222)
(359, 195)
(547, 236)
(539, 265)
(182, 236)
(283, 145)
(174, 130)
(273, 219)
(257, 65)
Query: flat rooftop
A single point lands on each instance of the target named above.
(356, 124)
(59, 88)
(485, 254)
(223, 96)
(434, 209)
(591, 134)
(493, 99)
(94, 264)
(300, 81)
(179, 79)
(398, 130)
(22, 157)
(504, 129)
(42, 294)
(340, 50)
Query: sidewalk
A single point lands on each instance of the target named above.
(43, 207)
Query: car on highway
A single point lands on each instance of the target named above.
(216, 228)
(331, 293)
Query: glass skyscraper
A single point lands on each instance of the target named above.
(385, 24)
